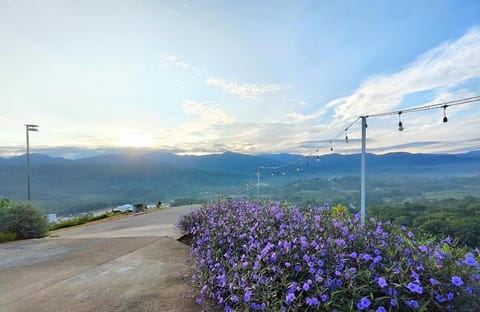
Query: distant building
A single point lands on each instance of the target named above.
(123, 208)
(139, 207)
(52, 218)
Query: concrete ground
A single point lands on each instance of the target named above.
(130, 264)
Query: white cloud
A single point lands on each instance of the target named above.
(250, 91)
(175, 61)
(207, 114)
(446, 66)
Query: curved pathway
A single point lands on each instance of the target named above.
(130, 264)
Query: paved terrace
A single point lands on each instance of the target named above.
(129, 264)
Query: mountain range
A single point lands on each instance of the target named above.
(60, 184)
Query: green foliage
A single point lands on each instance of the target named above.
(7, 237)
(340, 211)
(457, 218)
(186, 201)
(22, 219)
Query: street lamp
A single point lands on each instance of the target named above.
(29, 128)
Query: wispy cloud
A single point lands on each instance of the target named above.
(250, 91)
(206, 113)
(175, 61)
(445, 66)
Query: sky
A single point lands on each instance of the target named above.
(244, 76)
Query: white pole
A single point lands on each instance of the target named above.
(363, 169)
(258, 183)
(28, 165)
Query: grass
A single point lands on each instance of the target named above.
(81, 220)
(7, 237)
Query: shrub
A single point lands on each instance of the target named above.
(274, 258)
(7, 237)
(22, 219)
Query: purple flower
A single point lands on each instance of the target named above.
(415, 288)
(290, 297)
(324, 297)
(353, 255)
(312, 301)
(470, 259)
(363, 304)
(382, 282)
(450, 296)
(199, 300)
(393, 302)
(340, 242)
(304, 242)
(256, 306)
(412, 303)
(423, 248)
(434, 281)
(457, 281)
(415, 275)
(440, 298)
(248, 296)
(410, 234)
(381, 309)
(306, 286)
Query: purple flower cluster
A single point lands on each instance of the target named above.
(276, 258)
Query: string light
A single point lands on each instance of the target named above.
(443, 105)
(400, 124)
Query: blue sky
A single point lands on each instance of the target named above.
(246, 76)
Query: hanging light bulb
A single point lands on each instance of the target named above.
(445, 119)
(318, 158)
(400, 124)
(346, 137)
(331, 147)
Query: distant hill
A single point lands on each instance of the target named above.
(60, 184)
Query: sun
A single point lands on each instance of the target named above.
(134, 138)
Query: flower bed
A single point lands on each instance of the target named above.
(269, 257)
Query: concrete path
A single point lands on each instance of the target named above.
(130, 264)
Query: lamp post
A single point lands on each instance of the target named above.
(363, 171)
(29, 128)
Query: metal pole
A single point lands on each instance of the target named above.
(28, 164)
(29, 128)
(258, 183)
(363, 169)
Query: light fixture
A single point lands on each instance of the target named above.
(445, 119)
(331, 147)
(346, 136)
(400, 124)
